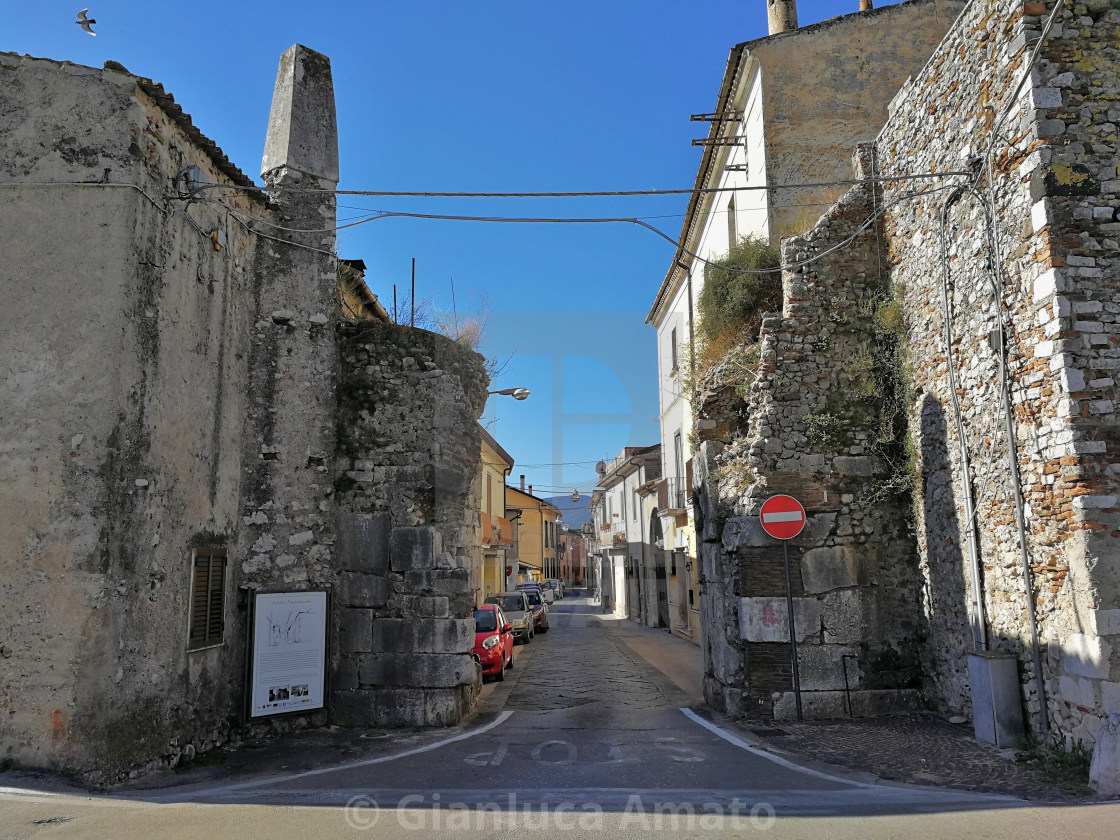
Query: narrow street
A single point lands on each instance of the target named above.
(586, 734)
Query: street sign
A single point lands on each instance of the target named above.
(782, 517)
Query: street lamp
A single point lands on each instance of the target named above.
(575, 495)
(516, 393)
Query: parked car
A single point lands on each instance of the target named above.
(546, 594)
(556, 586)
(493, 640)
(518, 611)
(540, 607)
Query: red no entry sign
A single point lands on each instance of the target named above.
(782, 517)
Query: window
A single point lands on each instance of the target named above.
(673, 347)
(208, 586)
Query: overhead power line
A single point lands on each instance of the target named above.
(587, 193)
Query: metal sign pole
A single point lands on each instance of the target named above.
(792, 633)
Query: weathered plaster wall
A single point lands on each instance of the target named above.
(855, 63)
(408, 531)
(125, 385)
(1054, 196)
(853, 570)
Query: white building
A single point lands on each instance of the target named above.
(625, 532)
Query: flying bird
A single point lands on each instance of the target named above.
(85, 22)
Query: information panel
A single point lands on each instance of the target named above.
(289, 652)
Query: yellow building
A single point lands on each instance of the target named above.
(497, 530)
(538, 527)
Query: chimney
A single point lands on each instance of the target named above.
(781, 15)
(523, 482)
(530, 489)
(865, 5)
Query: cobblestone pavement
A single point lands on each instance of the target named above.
(584, 666)
(915, 748)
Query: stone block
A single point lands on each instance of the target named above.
(356, 589)
(302, 128)
(822, 705)
(1086, 656)
(1104, 772)
(439, 582)
(355, 630)
(412, 549)
(843, 617)
(1110, 698)
(815, 705)
(345, 675)
(862, 465)
(417, 670)
(767, 619)
(838, 567)
(362, 542)
(364, 707)
(423, 635)
(1077, 692)
(821, 667)
(422, 606)
(447, 706)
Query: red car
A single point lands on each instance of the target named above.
(493, 640)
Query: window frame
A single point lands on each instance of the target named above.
(210, 554)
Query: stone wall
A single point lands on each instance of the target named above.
(1041, 229)
(408, 530)
(174, 381)
(814, 431)
(1054, 192)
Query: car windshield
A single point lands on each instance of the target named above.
(485, 621)
(509, 603)
(534, 598)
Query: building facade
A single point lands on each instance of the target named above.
(537, 522)
(497, 531)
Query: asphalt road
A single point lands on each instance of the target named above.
(586, 737)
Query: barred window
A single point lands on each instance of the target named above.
(208, 586)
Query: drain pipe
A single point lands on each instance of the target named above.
(976, 614)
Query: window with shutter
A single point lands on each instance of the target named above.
(208, 586)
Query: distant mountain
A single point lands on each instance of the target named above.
(574, 514)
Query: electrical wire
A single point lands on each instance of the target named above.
(586, 193)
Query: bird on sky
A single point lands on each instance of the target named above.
(85, 22)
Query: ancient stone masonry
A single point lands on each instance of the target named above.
(204, 395)
(1019, 248)
(815, 414)
(406, 475)
(1052, 215)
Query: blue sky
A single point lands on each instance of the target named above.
(476, 95)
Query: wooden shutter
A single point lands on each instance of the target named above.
(207, 610)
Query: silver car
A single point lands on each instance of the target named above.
(518, 612)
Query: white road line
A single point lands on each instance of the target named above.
(739, 742)
(274, 780)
